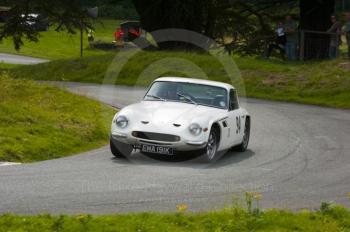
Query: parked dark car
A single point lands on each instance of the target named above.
(37, 22)
(4, 13)
(131, 30)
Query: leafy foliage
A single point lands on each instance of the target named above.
(246, 23)
(113, 9)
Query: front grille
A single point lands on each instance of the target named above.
(155, 136)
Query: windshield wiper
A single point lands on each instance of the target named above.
(187, 98)
(156, 97)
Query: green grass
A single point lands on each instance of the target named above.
(38, 122)
(4, 66)
(230, 219)
(325, 83)
(59, 45)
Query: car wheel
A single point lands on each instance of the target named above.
(120, 150)
(244, 145)
(211, 150)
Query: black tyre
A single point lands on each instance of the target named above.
(120, 150)
(211, 150)
(244, 145)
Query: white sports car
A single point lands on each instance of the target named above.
(182, 115)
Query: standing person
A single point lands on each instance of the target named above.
(290, 27)
(118, 35)
(335, 37)
(91, 37)
(280, 42)
(346, 31)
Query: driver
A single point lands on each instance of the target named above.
(170, 91)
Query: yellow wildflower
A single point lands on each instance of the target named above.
(80, 216)
(181, 208)
(258, 196)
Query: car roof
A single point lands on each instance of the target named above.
(196, 81)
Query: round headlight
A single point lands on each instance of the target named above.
(195, 129)
(121, 121)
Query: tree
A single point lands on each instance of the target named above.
(251, 19)
(68, 15)
(165, 14)
(213, 18)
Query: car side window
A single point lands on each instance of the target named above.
(233, 100)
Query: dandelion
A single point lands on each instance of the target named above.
(349, 195)
(80, 216)
(181, 208)
(258, 196)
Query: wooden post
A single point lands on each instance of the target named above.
(302, 45)
(337, 44)
(81, 38)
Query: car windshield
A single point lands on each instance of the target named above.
(188, 93)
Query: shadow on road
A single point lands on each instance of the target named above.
(232, 157)
(189, 160)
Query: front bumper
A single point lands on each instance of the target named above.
(182, 145)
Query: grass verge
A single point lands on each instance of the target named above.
(325, 83)
(39, 122)
(232, 219)
(4, 66)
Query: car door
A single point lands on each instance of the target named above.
(235, 119)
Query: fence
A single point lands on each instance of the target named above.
(318, 45)
(310, 44)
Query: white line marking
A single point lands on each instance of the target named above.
(8, 164)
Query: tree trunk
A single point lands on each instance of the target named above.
(175, 14)
(315, 16)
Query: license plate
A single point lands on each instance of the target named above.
(157, 149)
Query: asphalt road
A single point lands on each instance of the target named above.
(18, 59)
(298, 157)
